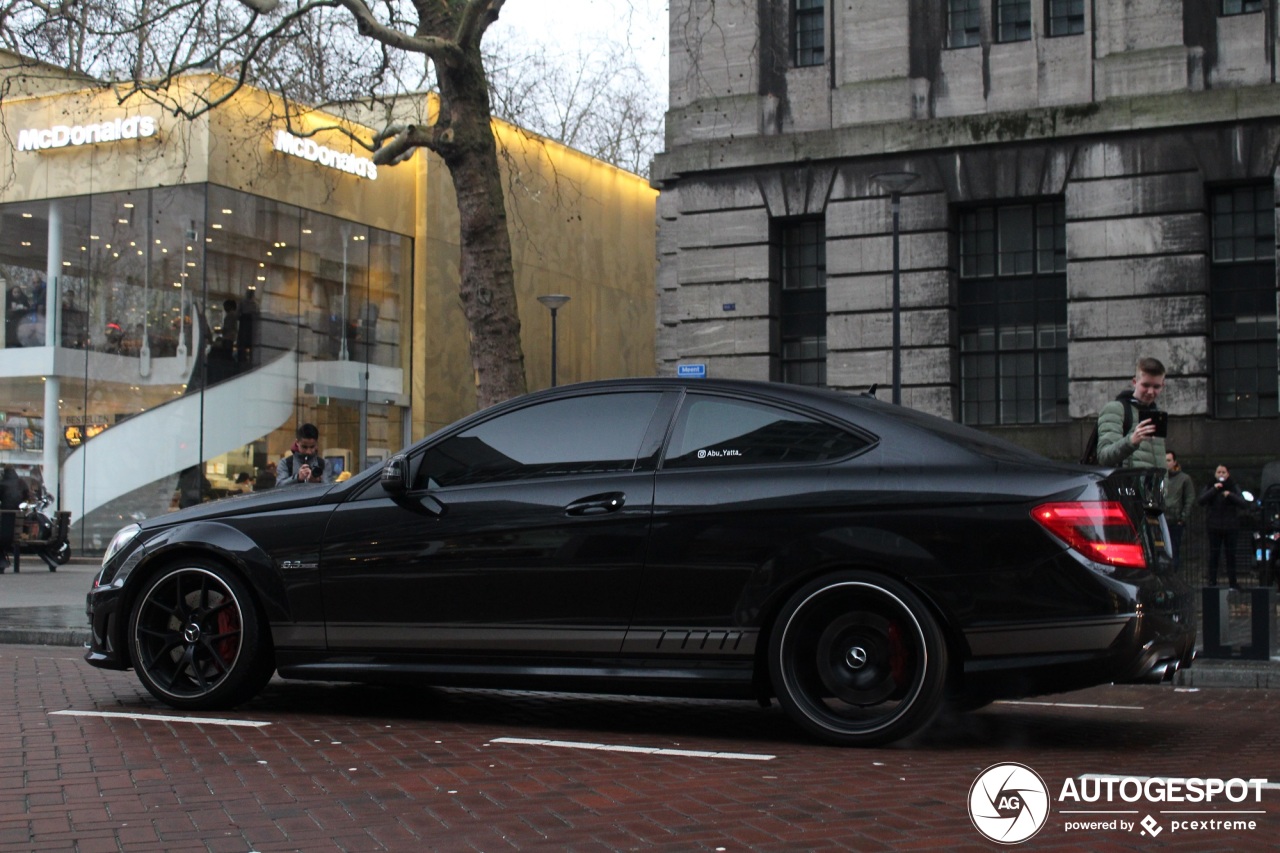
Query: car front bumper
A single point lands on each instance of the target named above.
(106, 635)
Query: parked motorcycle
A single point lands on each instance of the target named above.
(43, 534)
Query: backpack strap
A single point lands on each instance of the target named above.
(1126, 403)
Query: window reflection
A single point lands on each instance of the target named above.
(172, 292)
(580, 435)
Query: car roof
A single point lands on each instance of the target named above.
(860, 409)
(776, 390)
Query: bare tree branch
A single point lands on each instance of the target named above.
(321, 55)
(599, 102)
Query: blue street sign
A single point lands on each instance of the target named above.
(691, 371)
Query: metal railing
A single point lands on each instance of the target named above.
(1240, 620)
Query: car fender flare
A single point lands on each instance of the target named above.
(212, 539)
(957, 644)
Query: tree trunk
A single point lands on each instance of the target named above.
(488, 283)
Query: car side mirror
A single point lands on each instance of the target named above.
(395, 475)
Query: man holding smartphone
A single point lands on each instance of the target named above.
(303, 465)
(1140, 445)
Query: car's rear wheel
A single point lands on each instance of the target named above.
(197, 637)
(858, 660)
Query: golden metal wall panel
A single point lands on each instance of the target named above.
(580, 227)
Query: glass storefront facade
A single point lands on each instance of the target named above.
(192, 329)
(182, 294)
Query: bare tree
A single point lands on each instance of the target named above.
(321, 53)
(599, 102)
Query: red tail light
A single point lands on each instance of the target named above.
(1100, 530)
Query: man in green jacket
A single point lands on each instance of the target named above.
(1179, 497)
(1140, 447)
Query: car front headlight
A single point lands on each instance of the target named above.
(123, 537)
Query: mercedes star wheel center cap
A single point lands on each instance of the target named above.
(856, 657)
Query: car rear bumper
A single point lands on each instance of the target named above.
(1142, 629)
(1145, 648)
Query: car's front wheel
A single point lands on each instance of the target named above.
(858, 660)
(197, 638)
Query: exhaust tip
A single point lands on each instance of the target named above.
(1161, 671)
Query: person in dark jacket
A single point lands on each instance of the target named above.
(1222, 502)
(194, 487)
(1179, 497)
(13, 491)
(304, 464)
(266, 478)
(16, 306)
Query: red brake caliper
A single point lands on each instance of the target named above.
(227, 622)
(899, 655)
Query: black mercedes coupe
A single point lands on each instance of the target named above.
(860, 562)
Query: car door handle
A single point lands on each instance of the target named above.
(597, 504)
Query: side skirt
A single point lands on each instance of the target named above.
(719, 679)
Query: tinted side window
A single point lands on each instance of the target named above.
(714, 432)
(578, 435)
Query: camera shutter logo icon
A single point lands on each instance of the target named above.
(1008, 803)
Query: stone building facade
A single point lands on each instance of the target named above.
(1095, 182)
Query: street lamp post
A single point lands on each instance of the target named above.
(896, 183)
(555, 302)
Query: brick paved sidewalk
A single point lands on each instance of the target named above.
(333, 767)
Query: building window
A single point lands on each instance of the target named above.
(964, 22)
(1241, 7)
(1066, 17)
(809, 35)
(1013, 20)
(1013, 314)
(1242, 301)
(802, 302)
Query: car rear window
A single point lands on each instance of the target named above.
(719, 431)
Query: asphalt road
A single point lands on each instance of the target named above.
(90, 762)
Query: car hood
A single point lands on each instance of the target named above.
(282, 497)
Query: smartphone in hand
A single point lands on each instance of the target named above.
(1161, 422)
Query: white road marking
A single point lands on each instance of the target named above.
(161, 718)
(1069, 705)
(644, 750)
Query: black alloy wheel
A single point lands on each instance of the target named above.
(858, 660)
(197, 639)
